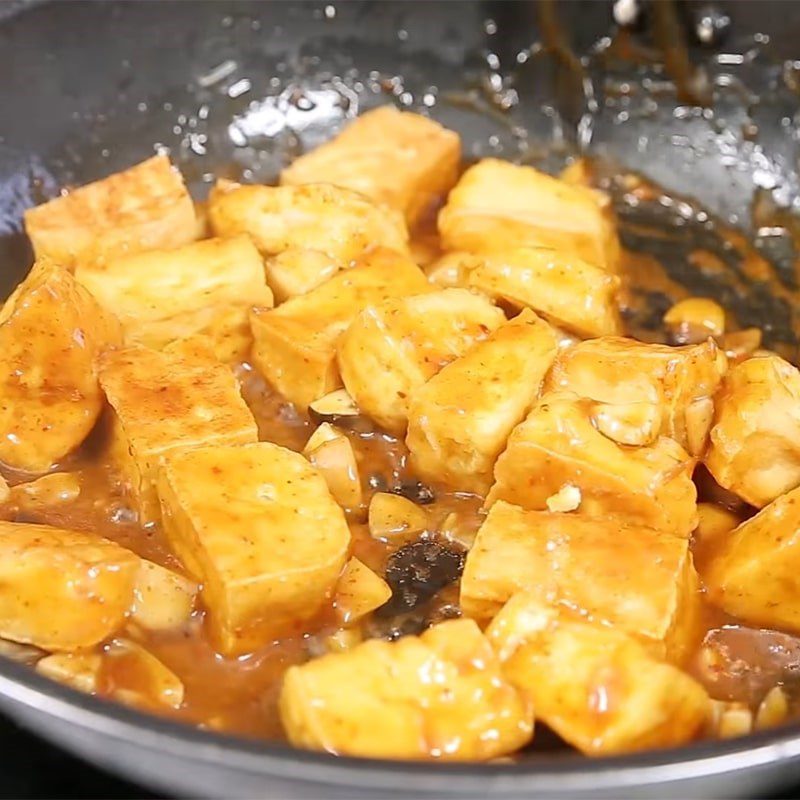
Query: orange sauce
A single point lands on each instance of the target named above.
(239, 695)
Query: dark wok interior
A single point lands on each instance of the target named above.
(239, 89)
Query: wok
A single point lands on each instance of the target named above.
(238, 88)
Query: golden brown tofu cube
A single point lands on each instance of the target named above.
(315, 219)
(564, 288)
(163, 401)
(51, 330)
(754, 571)
(595, 686)
(391, 349)
(452, 269)
(382, 700)
(142, 208)
(644, 390)
(295, 344)
(60, 589)
(640, 580)
(258, 527)
(297, 271)
(460, 420)
(207, 287)
(755, 438)
(499, 202)
(558, 445)
(403, 160)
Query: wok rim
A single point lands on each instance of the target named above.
(21, 686)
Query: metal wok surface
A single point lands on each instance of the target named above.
(239, 88)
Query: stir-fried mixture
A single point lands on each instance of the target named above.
(366, 460)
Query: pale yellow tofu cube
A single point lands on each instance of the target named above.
(297, 271)
(460, 420)
(496, 202)
(713, 524)
(143, 208)
(453, 269)
(755, 439)
(392, 348)
(564, 288)
(295, 344)
(753, 572)
(162, 401)
(316, 218)
(163, 599)
(403, 160)
(595, 686)
(60, 589)
(161, 296)
(359, 592)
(558, 445)
(51, 330)
(645, 390)
(438, 696)
(258, 527)
(640, 580)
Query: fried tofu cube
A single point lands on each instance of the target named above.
(573, 293)
(163, 599)
(595, 686)
(359, 592)
(326, 223)
(392, 348)
(452, 269)
(755, 439)
(143, 208)
(645, 390)
(295, 344)
(60, 589)
(51, 330)
(714, 523)
(634, 578)
(402, 160)
(162, 401)
(460, 420)
(438, 696)
(258, 527)
(297, 271)
(558, 445)
(207, 287)
(497, 201)
(754, 571)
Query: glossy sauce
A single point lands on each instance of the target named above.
(239, 695)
